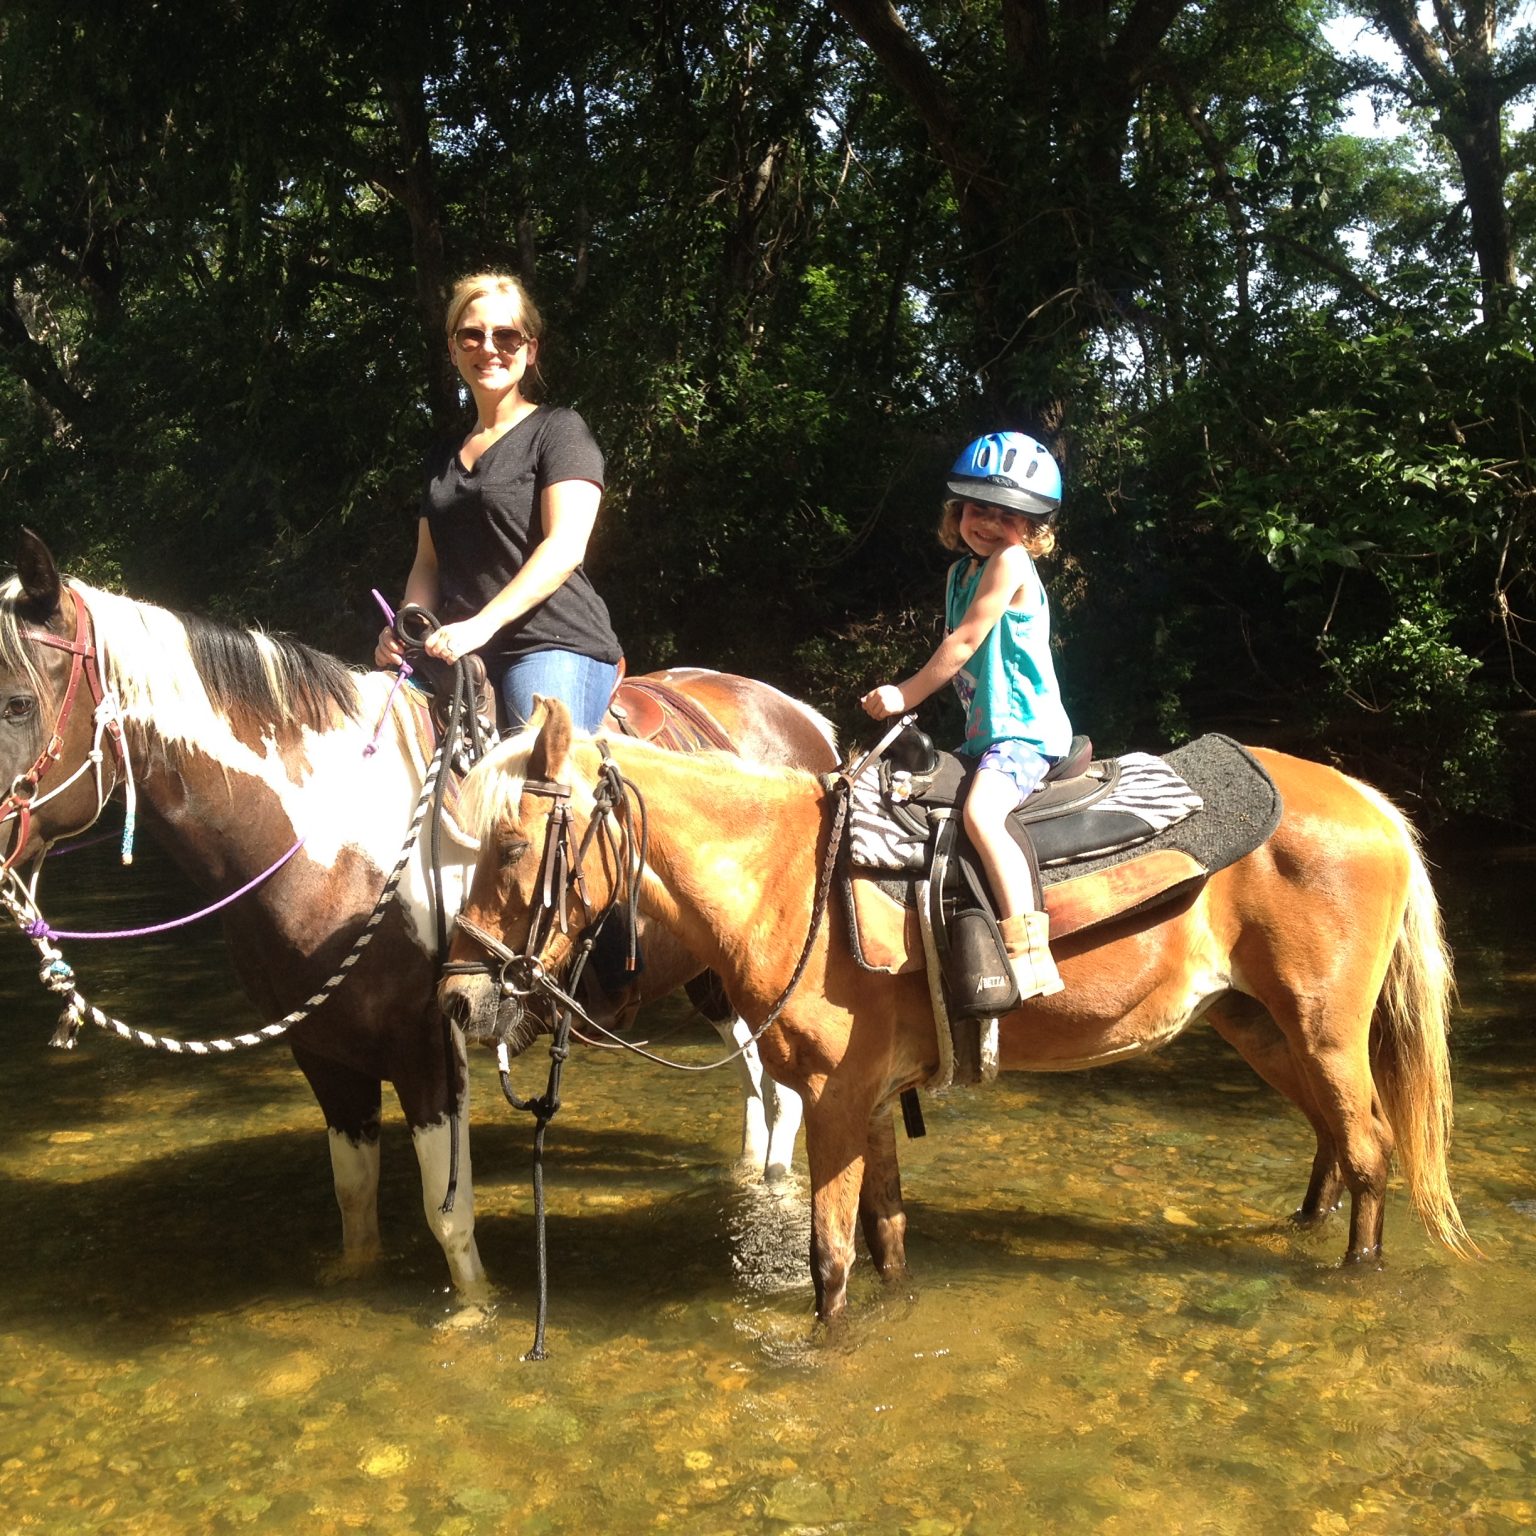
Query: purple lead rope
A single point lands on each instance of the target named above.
(401, 673)
(39, 928)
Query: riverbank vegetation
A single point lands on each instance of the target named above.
(792, 257)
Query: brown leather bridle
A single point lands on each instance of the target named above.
(84, 664)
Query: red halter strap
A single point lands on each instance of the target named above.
(24, 788)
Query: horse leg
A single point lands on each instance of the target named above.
(1342, 1080)
(1335, 1067)
(837, 1136)
(436, 1105)
(350, 1102)
(770, 1112)
(785, 1113)
(882, 1216)
(754, 1090)
(1248, 1029)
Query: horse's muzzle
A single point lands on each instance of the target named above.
(486, 1013)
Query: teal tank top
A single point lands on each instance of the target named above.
(1008, 687)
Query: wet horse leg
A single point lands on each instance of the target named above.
(771, 1113)
(1341, 1079)
(1332, 1055)
(1248, 1029)
(882, 1216)
(785, 1113)
(437, 1111)
(837, 1135)
(756, 1116)
(350, 1102)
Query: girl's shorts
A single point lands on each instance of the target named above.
(1017, 760)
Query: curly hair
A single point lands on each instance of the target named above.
(1038, 541)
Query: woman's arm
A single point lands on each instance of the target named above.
(421, 587)
(568, 511)
(1005, 573)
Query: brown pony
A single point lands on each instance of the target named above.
(1319, 957)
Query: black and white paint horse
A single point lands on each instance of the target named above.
(239, 744)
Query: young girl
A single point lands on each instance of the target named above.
(1006, 492)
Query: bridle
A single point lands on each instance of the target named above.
(23, 797)
(619, 821)
(520, 977)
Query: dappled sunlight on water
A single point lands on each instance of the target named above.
(1110, 1327)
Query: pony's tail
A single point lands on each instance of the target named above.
(1410, 1059)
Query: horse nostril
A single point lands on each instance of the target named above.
(458, 1009)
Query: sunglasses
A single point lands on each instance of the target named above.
(505, 338)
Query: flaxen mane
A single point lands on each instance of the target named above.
(190, 675)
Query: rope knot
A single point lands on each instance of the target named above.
(38, 929)
(58, 976)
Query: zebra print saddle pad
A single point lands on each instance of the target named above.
(1230, 806)
(1113, 804)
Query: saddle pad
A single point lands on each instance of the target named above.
(1241, 809)
(1148, 790)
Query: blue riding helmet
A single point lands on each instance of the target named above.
(1009, 469)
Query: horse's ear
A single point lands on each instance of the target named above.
(553, 745)
(41, 586)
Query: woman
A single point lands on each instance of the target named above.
(505, 517)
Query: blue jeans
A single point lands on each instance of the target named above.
(584, 685)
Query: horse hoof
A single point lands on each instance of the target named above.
(465, 1319)
(1357, 1256)
(1307, 1221)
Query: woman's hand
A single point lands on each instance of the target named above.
(388, 652)
(454, 641)
(883, 702)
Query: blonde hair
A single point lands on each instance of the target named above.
(479, 285)
(1039, 537)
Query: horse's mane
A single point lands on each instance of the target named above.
(493, 787)
(179, 671)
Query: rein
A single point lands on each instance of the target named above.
(59, 977)
(20, 900)
(531, 977)
(522, 975)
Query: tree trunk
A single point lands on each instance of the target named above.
(416, 190)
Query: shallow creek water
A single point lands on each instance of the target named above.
(1109, 1326)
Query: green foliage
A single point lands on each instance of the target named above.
(1427, 691)
(784, 281)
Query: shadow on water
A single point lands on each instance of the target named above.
(1110, 1326)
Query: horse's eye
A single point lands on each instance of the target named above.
(20, 707)
(512, 852)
